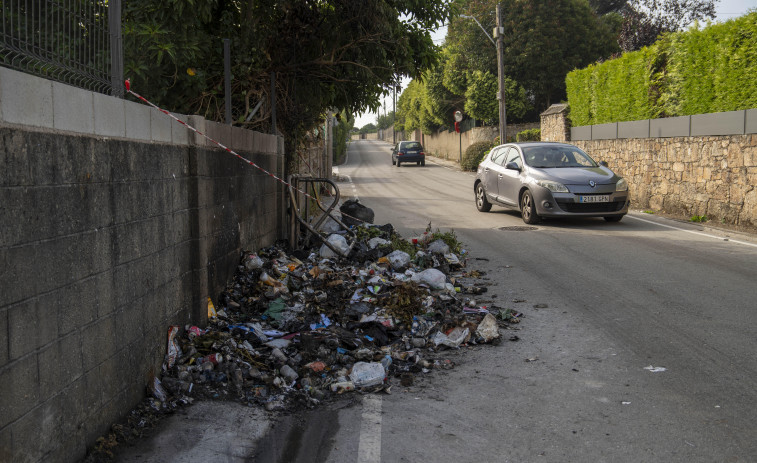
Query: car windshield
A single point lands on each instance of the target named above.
(556, 157)
(413, 145)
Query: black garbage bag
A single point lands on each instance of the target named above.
(354, 213)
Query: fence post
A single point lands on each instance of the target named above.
(116, 49)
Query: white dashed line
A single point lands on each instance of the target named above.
(369, 448)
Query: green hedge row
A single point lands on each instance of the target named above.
(693, 72)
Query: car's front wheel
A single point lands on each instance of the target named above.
(482, 204)
(528, 209)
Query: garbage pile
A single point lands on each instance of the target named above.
(298, 328)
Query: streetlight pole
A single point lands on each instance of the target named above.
(500, 44)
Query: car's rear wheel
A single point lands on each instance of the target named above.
(423, 163)
(528, 209)
(482, 204)
(398, 162)
(613, 218)
(393, 161)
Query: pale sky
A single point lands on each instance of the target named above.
(725, 10)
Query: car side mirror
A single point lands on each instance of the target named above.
(603, 163)
(512, 165)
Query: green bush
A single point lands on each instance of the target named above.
(529, 135)
(474, 154)
(701, 70)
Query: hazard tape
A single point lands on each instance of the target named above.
(127, 84)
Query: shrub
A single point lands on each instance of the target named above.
(529, 135)
(474, 154)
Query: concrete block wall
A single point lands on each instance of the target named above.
(116, 222)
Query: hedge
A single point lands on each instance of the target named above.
(693, 72)
(474, 154)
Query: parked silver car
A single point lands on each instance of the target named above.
(545, 179)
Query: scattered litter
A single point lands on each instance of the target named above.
(655, 369)
(294, 328)
(626, 403)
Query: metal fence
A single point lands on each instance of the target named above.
(77, 42)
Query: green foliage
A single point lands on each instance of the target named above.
(699, 218)
(702, 70)
(325, 54)
(368, 128)
(480, 97)
(449, 238)
(341, 134)
(529, 135)
(385, 121)
(474, 154)
(545, 40)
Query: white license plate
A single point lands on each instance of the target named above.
(594, 199)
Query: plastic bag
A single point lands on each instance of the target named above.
(399, 259)
(438, 246)
(488, 328)
(432, 277)
(373, 243)
(339, 242)
(253, 262)
(366, 374)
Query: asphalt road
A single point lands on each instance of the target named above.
(602, 303)
(637, 345)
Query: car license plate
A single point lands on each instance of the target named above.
(594, 199)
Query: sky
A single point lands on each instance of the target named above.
(725, 10)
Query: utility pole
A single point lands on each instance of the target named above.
(498, 33)
(394, 111)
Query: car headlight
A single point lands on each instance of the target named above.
(554, 187)
(622, 185)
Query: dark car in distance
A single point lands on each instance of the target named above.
(546, 179)
(408, 151)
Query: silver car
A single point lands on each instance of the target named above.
(545, 179)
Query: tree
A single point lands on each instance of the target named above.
(546, 40)
(324, 54)
(368, 128)
(645, 20)
(385, 121)
(543, 42)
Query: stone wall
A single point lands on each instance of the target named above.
(713, 176)
(554, 123)
(687, 176)
(115, 222)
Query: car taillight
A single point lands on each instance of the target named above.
(400, 153)
(422, 153)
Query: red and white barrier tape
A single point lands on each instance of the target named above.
(127, 84)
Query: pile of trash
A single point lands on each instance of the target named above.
(298, 328)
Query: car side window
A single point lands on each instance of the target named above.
(497, 155)
(503, 154)
(513, 156)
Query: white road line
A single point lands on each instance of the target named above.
(719, 238)
(369, 449)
